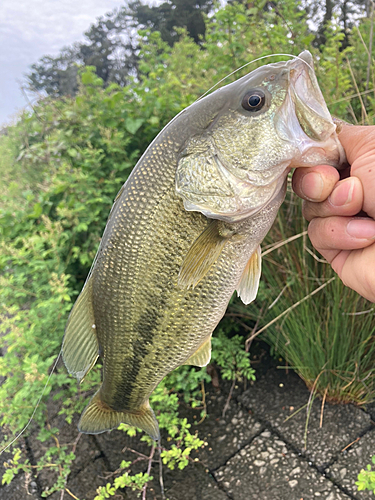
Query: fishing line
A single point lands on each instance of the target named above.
(247, 64)
(36, 407)
(161, 481)
(209, 90)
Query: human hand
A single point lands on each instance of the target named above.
(342, 211)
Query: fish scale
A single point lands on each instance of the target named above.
(147, 255)
(184, 233)
(157, 257)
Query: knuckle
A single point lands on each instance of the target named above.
(310, 210)
(305, 210)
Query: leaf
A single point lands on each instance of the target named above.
(87, 78)
(115, 99)
(154, 120)
(37, 211)
(72, 152)
(133, 124)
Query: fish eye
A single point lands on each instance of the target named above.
(253, 100)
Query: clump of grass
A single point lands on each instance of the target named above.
(323, 330)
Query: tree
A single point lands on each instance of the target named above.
(346, 12)
(171, 14)
(109, 45)
(56, 75)
(112, 43)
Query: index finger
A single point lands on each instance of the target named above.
(359, 145)
(315, 183)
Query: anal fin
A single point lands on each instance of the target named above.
(99, 417)
(202, 356)
(247, 288)
(201, 256)
(80, 348)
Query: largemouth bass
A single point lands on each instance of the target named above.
(184, 233)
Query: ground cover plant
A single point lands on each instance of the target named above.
(62, 165)
(366, 478)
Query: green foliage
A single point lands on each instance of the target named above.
(136, 482)
(333, 72)
(61, 167)
(13, 466)
(237, 35)
(231, 356)
(30, 321)
(366, 478)
(188, 381)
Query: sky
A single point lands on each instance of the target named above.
(30, 29)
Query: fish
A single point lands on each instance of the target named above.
(185, 231)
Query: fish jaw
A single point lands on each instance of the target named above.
(305, 120)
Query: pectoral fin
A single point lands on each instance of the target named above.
(99, 417)
(248, 286)
(80, 348)
(201, 256)
(202, 356)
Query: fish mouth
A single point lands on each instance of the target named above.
(304, 119)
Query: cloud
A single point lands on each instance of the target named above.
(30, 29)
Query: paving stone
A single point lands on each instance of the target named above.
(117, 446)
(350, 462)
(225, 435)
(248, 462)
(370, 409)
(86, 451)
(276, 396)
(193, 483)
(85, 484)
(22, 486)
(266, 469)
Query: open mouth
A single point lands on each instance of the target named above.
(310, 107)
(304, 119)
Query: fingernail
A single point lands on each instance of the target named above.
(361, 228)
(342, 194)
(339, 124)
(312, 186)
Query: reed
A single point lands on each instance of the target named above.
(322, 329)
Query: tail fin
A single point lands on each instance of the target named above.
(99, 417)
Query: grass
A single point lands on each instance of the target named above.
(323, 330)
